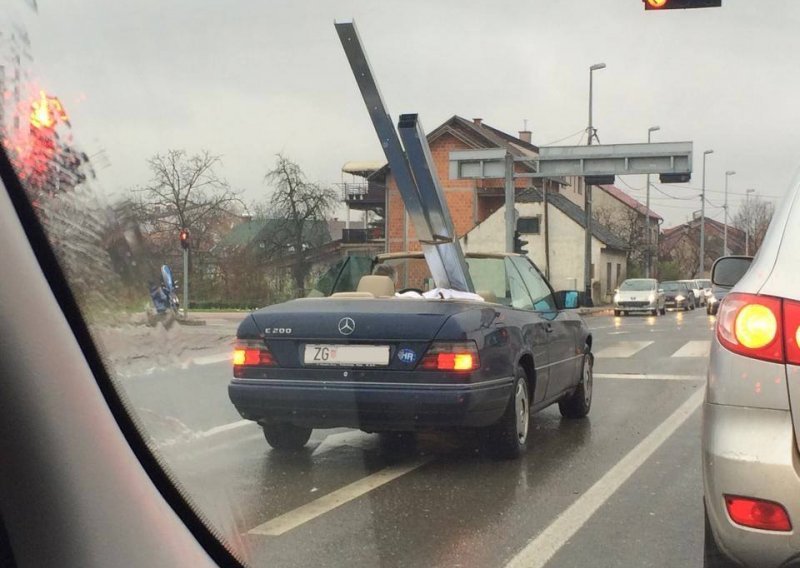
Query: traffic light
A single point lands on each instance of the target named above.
(680, 4)
(184, 238)
(519, 244)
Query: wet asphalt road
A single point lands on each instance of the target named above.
(620, 488)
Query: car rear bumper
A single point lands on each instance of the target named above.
(751, 452)
(674, 304)
(371, 406)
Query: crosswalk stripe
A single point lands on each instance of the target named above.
(694, 349)
(622, 349)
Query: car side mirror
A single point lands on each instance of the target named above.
(727, 270)
(569, 300)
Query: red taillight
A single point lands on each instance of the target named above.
(757, 513)
(451, 357)
(751, 325)
(791, 331)
(252, 355)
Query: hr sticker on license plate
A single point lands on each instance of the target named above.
(346, 355)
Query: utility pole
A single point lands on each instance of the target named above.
(728, 174)
(649, 254)
(587, 260)
(509, 190)
(747, 226)
(703, 218)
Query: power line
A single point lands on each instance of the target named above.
(581, 131)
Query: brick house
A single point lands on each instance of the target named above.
(476, 205)
(681, 245)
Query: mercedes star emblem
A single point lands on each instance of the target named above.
(347, 326)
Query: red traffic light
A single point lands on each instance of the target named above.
(680, 4)
(184, 236)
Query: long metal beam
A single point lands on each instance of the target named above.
(442, 251)
(433, 201)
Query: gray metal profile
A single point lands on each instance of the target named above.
(441, 249)
(433, 201)
(615, 159)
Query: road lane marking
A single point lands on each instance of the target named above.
(310, 511)
(194, 436)
(211, 359)
(623, 349)
(542, 548)
(645, 376)
(350, 438)
(694, 349)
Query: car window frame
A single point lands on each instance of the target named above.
(516, 261)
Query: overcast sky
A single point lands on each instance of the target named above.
(250, 79)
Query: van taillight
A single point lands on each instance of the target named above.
(791, 331)
(752, 326)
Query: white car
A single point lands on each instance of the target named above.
(639, 295)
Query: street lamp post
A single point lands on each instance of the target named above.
(649, 255)
(747, 226)
(728, 174)
(703, 218)
(587, 261)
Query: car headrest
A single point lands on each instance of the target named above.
(351, 295)
(378, 286)
(488, 296)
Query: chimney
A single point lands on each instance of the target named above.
(525, 136)
(477, 121)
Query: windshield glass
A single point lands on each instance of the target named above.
(209, 174)
(674, 287)
(637, 285)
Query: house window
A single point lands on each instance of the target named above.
(608, 276)
(619, 273)
(528, 225)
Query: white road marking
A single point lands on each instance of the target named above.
(211, 359)
(694, 349)
(355, 438)
(310, 511)
(542, 548)
(646, 376)
(622, 349)
(194, 436)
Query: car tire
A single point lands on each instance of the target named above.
(508, 437)
(578, 404)
(713, 557)
(663, 311)
(285, 436)
(616, 313)
(654, 312)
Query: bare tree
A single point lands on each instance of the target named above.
(628, 225)
(753, 217)
(185, 191)
(300, 206)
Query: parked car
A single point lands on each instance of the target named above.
(697, 292)
(370, 360)
(639, 295)
(751, 430)
(677, 295)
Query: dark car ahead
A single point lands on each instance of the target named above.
(677, 295)
(372, 360)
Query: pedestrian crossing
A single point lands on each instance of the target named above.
(628, 349)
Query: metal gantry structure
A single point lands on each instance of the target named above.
(415, 175)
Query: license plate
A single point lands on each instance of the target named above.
(346, 355)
